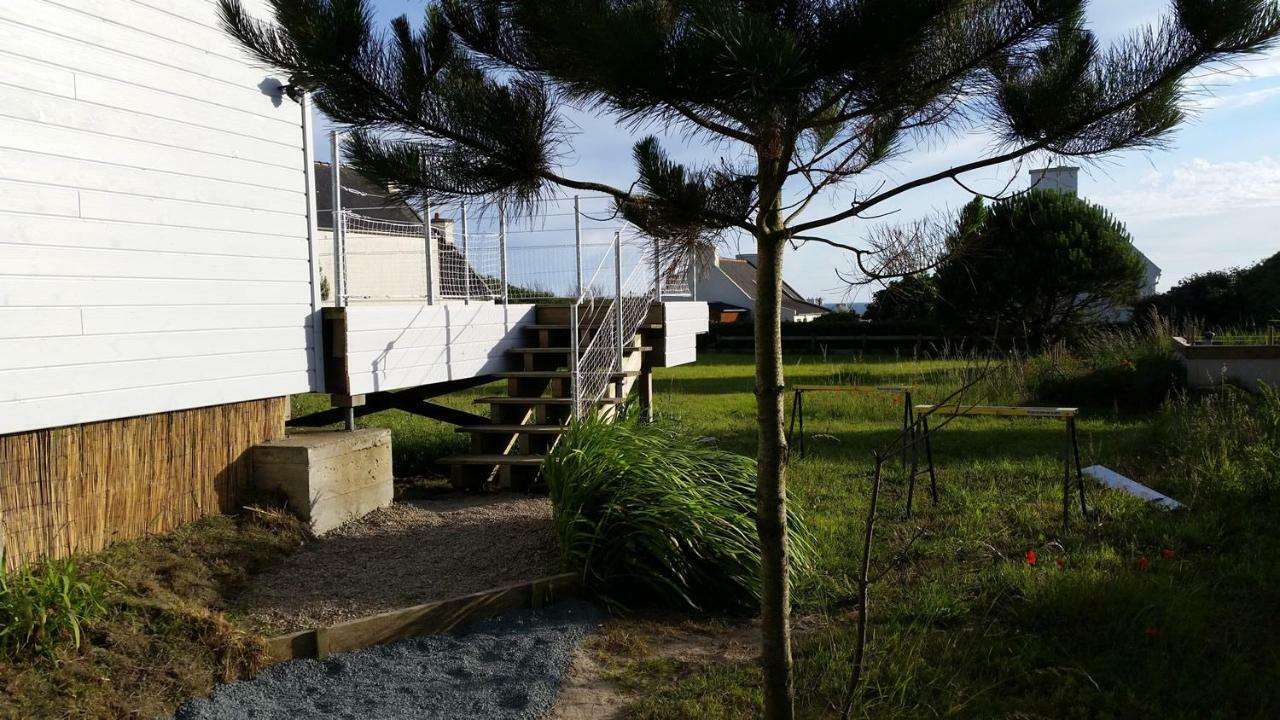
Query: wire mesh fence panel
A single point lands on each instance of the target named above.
(560, 251)
(382, 259)
(469, 266)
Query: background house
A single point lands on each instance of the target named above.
(728, 286)
(1067, 179)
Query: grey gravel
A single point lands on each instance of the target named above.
(505, 668)
(410, 553)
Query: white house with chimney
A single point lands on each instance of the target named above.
(1067, 179)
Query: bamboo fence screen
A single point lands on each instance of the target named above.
(81, 488)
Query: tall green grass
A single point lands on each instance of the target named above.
(1222, 443)
(43, 610)
(651, 516)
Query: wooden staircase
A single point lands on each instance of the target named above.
(526, 423)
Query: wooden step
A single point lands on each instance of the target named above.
(512, 429)
(531, 401)
(514, 460)
(566, 351)
(556, 374)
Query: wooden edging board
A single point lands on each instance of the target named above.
(428, 619)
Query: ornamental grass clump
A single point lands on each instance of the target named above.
(651, 516)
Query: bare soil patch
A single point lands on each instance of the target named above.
(413, 552)
(616, 665)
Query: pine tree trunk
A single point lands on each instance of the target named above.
(771, 487)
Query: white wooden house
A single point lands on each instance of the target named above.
(160, 293)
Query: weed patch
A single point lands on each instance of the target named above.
(166, 629)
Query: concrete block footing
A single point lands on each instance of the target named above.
(328, 477)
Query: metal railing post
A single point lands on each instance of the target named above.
(429, 237)
(466, 259)
(577, 244)
(502, 250)
(617, 292)
(339, 239)
(657, 271)
(575, 390)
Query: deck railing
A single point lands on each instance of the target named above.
(575, 252)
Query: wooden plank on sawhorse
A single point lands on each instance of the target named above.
(1070, 453)
(797, 406)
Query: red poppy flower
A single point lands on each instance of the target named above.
(1151, 632)
(1031, 557)
(1143, 563)
(1061, 562)
(1167, 553)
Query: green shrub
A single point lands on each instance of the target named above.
(649, 515)
(43, 610)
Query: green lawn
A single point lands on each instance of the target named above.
(962, 625)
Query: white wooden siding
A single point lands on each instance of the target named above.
(153, 229)
(402, 345)
(683, 322)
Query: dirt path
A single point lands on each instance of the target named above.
(409, 553)
(601, 680)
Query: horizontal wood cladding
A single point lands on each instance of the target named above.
(50, 99)
(153, 216)
(89, 407)
(682, 323)
(78, 489)
(86, 41)
(390, 346)
(33, 230)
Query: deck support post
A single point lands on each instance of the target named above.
(644, 389)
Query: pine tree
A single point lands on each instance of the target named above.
(816, 93)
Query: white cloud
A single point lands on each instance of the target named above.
(1222, 100)
(1199, 188)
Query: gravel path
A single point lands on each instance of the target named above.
(406, 554)
(505, 668)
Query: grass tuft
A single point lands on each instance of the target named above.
(652, 516)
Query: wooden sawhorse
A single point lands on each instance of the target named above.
(1070, 453)
(797, 406)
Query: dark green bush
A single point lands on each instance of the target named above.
(44, 609)
(650, 516)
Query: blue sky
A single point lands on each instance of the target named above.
(1209, 201)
